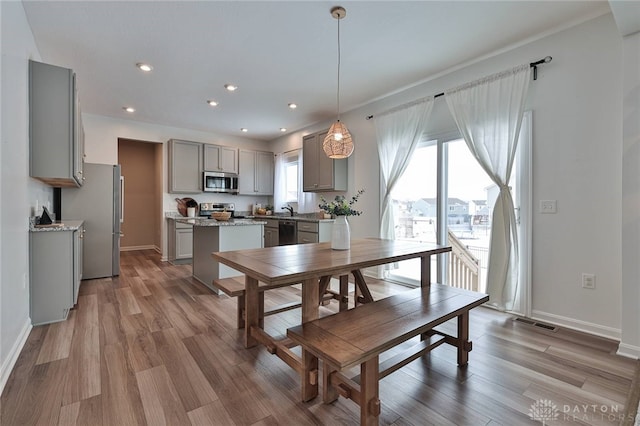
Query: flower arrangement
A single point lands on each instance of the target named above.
(340, 206)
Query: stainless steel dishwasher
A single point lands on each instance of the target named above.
(287, 232)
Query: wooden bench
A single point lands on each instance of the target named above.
(357, 337)
(235, 286)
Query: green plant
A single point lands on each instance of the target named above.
(341, 206)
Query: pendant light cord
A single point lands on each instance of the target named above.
(338, 95)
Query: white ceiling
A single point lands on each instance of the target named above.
(276, 52)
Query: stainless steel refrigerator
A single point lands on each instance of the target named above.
(99, 203)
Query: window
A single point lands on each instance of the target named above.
(287, 178)
(291, 179)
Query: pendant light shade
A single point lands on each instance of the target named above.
(338, 143)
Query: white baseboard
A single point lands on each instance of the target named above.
(629, 351)
(574, 324)
(10, 362)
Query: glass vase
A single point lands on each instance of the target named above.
(341, 234)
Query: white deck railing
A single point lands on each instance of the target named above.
(464, 267)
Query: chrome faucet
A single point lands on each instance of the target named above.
(288, 207)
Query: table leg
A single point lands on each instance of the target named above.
(362, 285)
(464, 346)
(425, 271)
(310, 312)
(343, 304)
(251, 310)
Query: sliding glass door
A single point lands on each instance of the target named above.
(445, 197)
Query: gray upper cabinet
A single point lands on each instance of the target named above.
(319, 172)
(255, 173)
(185, 166)
(56, 148)
(219, 158)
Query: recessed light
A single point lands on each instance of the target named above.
(244, 130)
(231, 87)
(293, 106)
(144, 67)
(282, 129)
(129, 109)
(212, 103)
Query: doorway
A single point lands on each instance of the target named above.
(141, 168)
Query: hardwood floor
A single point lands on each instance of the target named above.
(154, 347)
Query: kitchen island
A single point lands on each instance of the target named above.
(210, 235)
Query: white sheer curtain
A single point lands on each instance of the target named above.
(279, 183)
(488, 113)
(398, 132)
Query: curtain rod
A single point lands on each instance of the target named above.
(533, 65)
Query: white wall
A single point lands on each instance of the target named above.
(18, 192)
(630, 344)
(577, 152)
(101, 146)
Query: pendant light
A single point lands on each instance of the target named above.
(338, 142)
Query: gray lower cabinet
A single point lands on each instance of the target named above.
(271, 233)
(319, 172)
(180, 242)
(56, 137)
(55, 271)
(185, 166)
(314, 232)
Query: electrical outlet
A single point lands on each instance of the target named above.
(588, 281)
(548, 206)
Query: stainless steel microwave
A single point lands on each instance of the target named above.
(220, 182)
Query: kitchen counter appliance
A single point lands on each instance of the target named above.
(100, 204)
(206, 209)
(287, 232)
(220, 182)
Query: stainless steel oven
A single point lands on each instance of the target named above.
(220, 182)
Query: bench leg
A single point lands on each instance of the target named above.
(369, 398)
(329, 393)
(240, 317)
(464, 346)
(310, 312)
(309, 376)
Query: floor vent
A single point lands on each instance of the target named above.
(536, 323)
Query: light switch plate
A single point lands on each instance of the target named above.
(548, 206)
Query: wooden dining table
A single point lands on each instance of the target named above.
(308, 264)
